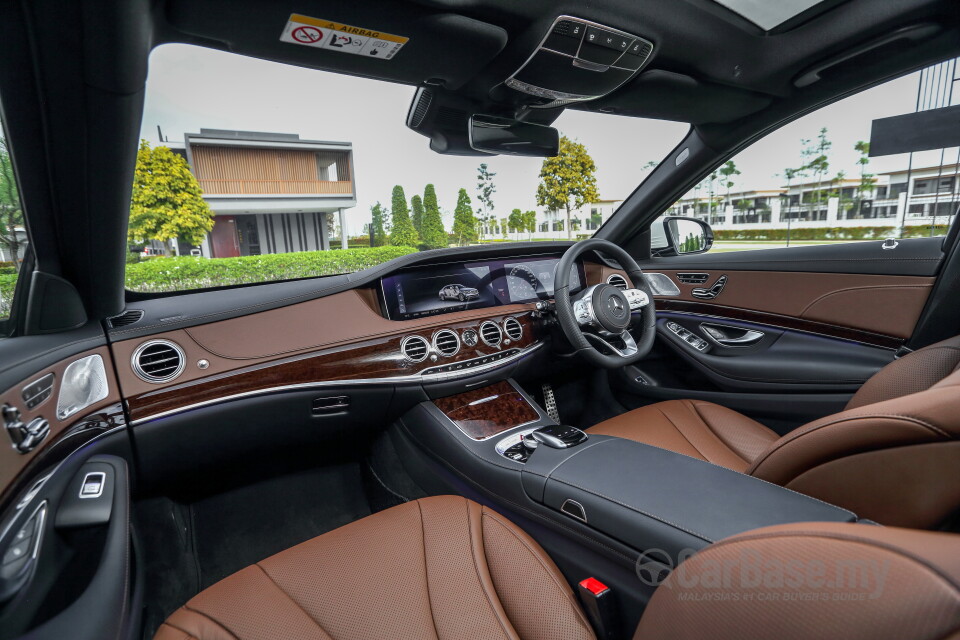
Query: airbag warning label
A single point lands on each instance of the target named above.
(323, 34)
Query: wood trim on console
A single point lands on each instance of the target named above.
(485, 412)
(776, 320)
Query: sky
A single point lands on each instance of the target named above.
(190, 88)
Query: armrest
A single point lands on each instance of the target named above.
(650, 498)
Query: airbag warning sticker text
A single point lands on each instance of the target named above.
(323, 34)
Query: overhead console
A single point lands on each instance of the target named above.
(580, 60)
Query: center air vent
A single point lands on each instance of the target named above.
(618, 281)
(513, 329)
(415, 348)
(446, 342)
(158, 361)
(490, 333)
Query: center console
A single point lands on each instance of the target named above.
(621, 497)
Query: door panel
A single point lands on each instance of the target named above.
(830, 317)
(885, 305)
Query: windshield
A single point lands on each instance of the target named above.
(252, 171)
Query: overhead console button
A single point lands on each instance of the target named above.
(636, 55)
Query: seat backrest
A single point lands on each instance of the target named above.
(913, 372)
(813, 580)
(896, 461)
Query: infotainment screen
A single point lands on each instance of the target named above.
(454, 287)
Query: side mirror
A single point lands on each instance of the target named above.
(676, 235)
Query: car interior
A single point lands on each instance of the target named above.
(610, 438)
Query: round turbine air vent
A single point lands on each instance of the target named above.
(158, 361)
(415, 348)
(513, 329)
(490, 334)
(446, 342)
(618, 281)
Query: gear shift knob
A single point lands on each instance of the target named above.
(558, 436)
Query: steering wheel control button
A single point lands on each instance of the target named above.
(93, 484)
(637, 299)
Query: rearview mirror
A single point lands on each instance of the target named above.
(676, 235)
(493, 134)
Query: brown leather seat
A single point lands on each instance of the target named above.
(447, 568)
(442, 567)
(892, 455)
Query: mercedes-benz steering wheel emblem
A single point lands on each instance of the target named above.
(615, 305)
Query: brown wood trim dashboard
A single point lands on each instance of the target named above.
(313, 344)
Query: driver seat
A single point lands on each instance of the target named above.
(891, 456)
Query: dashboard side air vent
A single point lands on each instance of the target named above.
(446, 342)
(513, 329)
(618, 281)
(158, 361)
(415, 348)
(490, 334)
(125, 318)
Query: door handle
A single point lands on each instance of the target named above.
(728, 336)
(712, 292)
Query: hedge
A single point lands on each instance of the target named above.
(828, 233)
(178, 274)
(7, 284)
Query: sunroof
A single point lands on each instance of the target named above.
(768, 14)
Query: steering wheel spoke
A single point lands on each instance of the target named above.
(626, 348)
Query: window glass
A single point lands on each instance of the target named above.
(251, 171)
(13, 234)
(814, 182)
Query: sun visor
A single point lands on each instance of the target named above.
(392, 41)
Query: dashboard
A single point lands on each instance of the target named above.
(459, 286)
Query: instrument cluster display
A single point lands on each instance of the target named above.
(473, 285)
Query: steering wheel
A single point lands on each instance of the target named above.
(597, 321)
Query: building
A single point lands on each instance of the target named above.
(270, 192)
(585, 220)
(908, 197)
(5, 253)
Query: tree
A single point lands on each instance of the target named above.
(433, 235)
(867, 180)
(711, 195)
(416, 213)
(504, 226)
(789, 174)
(402, 233)
(516, 221)
(11, 213)
(378, 226)
(485, 191)
(818, 162)
(464, 223)
(167, 201)
(530, 222)
(728, 171)
(568, 180)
